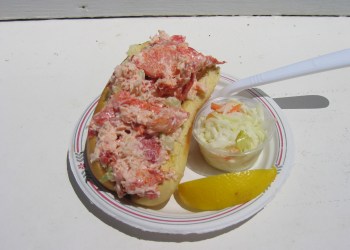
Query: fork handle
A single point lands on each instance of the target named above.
(325, 62)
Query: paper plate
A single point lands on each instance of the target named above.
(172, 218)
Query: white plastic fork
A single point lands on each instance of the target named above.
(335, 60)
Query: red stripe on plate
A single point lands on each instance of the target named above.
(158, 219)
(81, 126)
(263, 100)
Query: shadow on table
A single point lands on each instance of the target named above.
(296, 102)
(135, 232)
(302, 102)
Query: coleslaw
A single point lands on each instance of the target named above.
(232, 131)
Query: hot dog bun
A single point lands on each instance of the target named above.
(177, 157)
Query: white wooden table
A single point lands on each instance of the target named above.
(51, 70)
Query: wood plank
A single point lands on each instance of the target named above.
(21, 9)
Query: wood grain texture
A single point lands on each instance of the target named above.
(21, 9)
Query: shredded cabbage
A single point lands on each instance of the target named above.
(233, 129)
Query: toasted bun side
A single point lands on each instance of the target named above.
(95, 167)
(178, 157)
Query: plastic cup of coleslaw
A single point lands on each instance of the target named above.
(232, 132)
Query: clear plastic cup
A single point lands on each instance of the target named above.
(228, 160)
